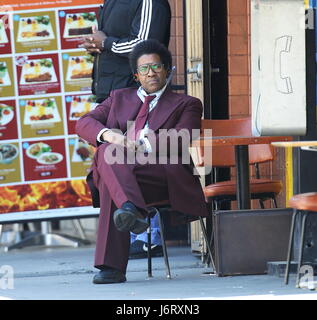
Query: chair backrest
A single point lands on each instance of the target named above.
(225, 156)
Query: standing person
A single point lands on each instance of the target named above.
(122, 189)
(121, 26)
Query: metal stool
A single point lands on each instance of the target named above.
(303, 205)
(155, 209)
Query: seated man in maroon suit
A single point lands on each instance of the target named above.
(122, 183)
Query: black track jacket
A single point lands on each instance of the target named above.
(126, 23)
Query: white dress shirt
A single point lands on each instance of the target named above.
(141, 94)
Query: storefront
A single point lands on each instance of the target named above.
(211, 46)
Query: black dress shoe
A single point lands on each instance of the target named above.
(129, 218)
(109, 275)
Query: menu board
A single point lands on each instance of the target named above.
(45, 87)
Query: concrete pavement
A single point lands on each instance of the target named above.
(66, 274)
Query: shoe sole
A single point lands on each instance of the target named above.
(109, 281)
(127, 221)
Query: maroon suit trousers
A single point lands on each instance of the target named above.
(137, 183)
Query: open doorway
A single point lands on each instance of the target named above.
(215, 59)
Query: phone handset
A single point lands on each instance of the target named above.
(283, 82)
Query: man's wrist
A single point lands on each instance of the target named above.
(106, 136)
(100, 135)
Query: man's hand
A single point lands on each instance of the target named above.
(140, 146)
(122, 140)
(119, 139)
(93, 42)
(114, 137)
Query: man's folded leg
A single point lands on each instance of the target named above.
(130, 218)
(119, 177)
(124, 190)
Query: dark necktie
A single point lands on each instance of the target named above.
(141, 118)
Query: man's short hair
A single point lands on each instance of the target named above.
(150, 46)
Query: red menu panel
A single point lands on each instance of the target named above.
(38, 74)
(75, 24)
(76, 107)
(8, 120)
(5, 38)
(44, 159)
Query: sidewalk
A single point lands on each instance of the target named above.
(66, 273)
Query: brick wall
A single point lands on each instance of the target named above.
(176, 45)
(238, 58)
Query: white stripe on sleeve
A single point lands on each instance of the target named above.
(145, 24)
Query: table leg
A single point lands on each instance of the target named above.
(243, 176)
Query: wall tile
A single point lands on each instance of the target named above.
(238, 44)
(238, 65)
(237, 25)
(239, 85)
(239, 105)
(237, 7)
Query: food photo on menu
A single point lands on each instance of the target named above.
(42, 153)
(79, 67)
(38, 71)
(3, 34)
(5, 39)
(79, 24)
(35, 28)
(82, 151)
(80, 105)
(6, 114)
(8, 152)
(4, 74)
(9, 163)
(41, 111)
(8, 120)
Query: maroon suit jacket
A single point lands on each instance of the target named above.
(173, 111)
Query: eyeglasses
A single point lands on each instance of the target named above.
(144, 69)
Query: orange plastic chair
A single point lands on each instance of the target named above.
(222, 157)
(303, 204)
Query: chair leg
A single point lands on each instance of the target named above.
(215, 205)
(149, 244)
(261, 204)
(167, 266)
(300, 255)
(274, 201)
(207, 243)
(290, 246)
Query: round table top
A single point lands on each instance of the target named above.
(286, 144)
(237, 140)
